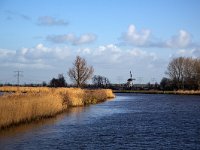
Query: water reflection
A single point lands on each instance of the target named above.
(73, 112)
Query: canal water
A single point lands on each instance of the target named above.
(130, 121)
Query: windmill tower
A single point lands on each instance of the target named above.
(130, 81)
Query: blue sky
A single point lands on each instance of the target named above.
(42, 38)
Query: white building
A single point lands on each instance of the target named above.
(130, 81)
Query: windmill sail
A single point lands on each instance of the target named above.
(131, 75)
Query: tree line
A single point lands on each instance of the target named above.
(183, 73)
(79, 74)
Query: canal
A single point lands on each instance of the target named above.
(130, 121)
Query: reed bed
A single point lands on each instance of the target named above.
(28, 104)
(188, 92)
(24, 89)
(96, 96)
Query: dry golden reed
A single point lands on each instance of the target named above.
(28, 104)
(189, 92)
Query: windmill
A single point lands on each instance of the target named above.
(130, 81)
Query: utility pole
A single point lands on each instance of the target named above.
(18, 74)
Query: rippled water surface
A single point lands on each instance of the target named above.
(130, 121)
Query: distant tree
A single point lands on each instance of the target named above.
(59, 82)
(165, 83)
(53, 82)
(184, 72)
(175, 71)
(149, 85)
(80, 73)
(100, 81)
(44, 83)
(156, 86)
(197, 72)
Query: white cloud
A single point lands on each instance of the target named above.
(144, 39)
(40, 51)
(194, 52)
(108, 60)
(51, 21)
(111, 53)
(137, 52)
(104, 49)
(114, 55)
(72, 39)
(36, 57)
(85, 51)
(183, 39)
(132, 36)
(85, 38)
(27, 65)
(5, 53)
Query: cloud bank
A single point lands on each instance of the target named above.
(181, 40)
(144, 38)
(109, 60)
(109, 54)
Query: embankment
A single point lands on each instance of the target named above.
(28, 104)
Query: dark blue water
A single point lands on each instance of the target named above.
(130, 121)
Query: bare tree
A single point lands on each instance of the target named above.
(184, 72)
(100, 81)
(80, 72)
(197, 71)
(175, 71)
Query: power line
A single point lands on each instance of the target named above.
(18, 74)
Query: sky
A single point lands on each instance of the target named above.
(43, 38)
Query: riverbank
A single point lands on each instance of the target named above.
(179, 92)
(27, 104)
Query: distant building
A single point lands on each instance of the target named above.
(130, 81)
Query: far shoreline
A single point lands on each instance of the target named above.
(179, 92)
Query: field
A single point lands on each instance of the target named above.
(27, 104)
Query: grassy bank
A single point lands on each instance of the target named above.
(179, 92)
(28, 104)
